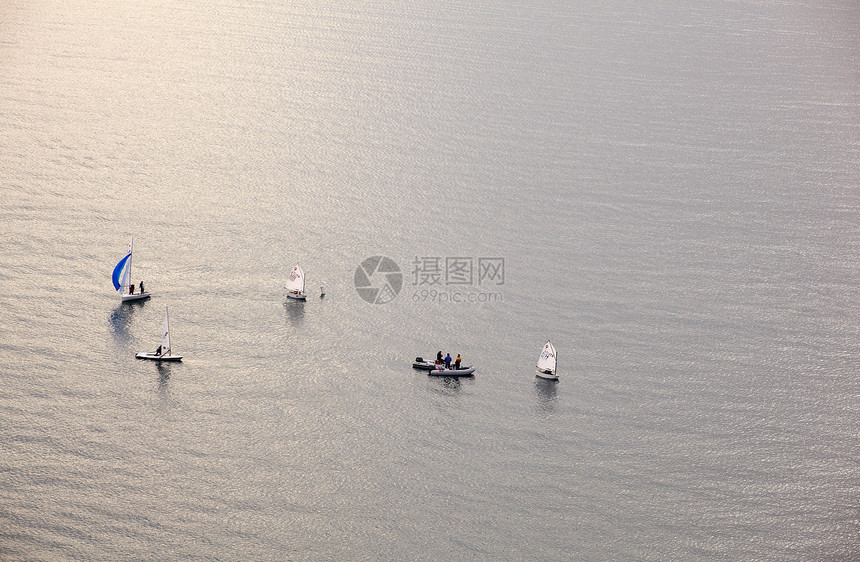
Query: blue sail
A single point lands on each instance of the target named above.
(118, 270)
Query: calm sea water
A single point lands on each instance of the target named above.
(673, 189)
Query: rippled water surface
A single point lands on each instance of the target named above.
(673, 189)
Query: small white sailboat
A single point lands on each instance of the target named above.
(546, 364)
(296, 284)
(163, 353)
(122, 279)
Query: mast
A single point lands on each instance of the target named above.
(165, 335)
(130, 257)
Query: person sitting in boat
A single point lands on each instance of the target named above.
(457, 362)
(158, 351)
(131, 289)
(448, 361)
(439, 358)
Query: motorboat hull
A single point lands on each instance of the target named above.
(464, 372)
(425, 365)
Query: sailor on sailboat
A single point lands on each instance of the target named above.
(546, 364)
(296, 284)
(122, 279)
(163, 353)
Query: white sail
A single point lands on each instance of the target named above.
(165, 334)
(547, 360)
(296, 281)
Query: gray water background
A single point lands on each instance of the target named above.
(673, 187)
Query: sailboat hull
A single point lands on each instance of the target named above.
(548, 375)
(298, 297)
(126, 297)
(157, 357)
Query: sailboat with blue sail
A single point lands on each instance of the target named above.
(122, 279)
